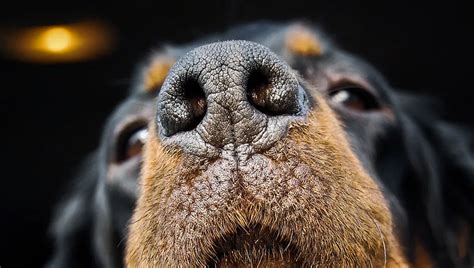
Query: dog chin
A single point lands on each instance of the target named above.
(256, 246)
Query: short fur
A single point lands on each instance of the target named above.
(352, 221)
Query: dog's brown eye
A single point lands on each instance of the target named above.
(354, 98)
(131, 143)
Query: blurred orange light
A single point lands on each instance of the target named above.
(57, 39)
(60, 43)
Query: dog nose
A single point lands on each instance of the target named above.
(232, 93)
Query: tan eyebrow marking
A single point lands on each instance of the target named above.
(156, 72)
(302, 41)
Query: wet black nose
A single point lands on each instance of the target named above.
(234, 95)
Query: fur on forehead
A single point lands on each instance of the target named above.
(155, 72)
(303, 41)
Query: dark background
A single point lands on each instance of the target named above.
(52, 114)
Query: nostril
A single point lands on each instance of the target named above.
(183, 107)
(268, 99)
(196, 100)
(258, 89)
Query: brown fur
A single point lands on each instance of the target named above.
(156, 72)
(463, 241)
(302, 41)
(422, 257)
(310, 190)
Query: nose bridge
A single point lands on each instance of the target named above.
(230, 119)
(222, 72)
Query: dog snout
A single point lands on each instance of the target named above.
(229, 93)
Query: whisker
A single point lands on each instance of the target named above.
(383, 242)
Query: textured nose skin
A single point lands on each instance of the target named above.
(233, 95)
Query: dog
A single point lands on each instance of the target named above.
(269, 146)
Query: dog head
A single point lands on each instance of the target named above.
(268, 145)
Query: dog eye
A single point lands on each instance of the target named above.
(131, 143)
(355, 98)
